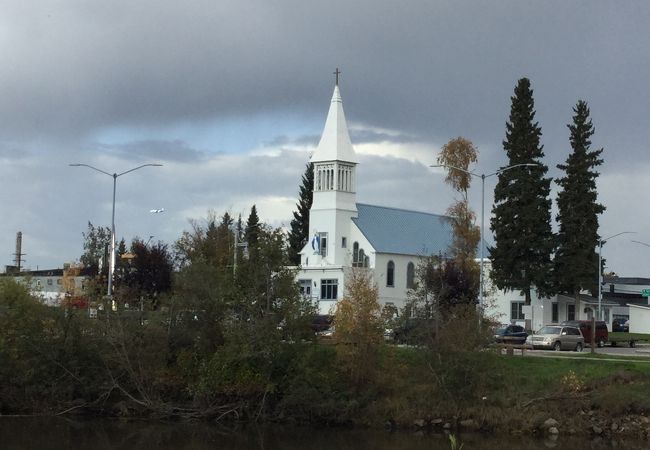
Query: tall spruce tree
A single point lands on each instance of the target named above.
(300, 224)
(521, 222)
(576, 261)
(251, 234)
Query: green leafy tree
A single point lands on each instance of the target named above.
(148, 273)
(300, 224)
(576, 261)
(47, 358)
(96, 244)
(521, 222)
(208, 241)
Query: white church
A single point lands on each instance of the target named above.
(346, 234)
(391, 242)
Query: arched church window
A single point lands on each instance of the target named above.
(410, 275)
(390, 274)
(355, 254)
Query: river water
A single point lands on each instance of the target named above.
(43, 433)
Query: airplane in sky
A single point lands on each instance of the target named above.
(156, 211)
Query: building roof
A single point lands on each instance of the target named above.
(399, 231)
(335, 144)
(626, 280)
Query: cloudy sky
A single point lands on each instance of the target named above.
(231, 96)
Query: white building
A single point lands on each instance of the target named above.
(391, 242)
(51, 286)
(345, 234)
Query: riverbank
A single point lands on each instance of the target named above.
(592, 395)
(58, 362)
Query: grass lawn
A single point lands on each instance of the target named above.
(626, 337)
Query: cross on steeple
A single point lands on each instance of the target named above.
(337, 72)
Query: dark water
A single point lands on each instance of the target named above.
(64, 433)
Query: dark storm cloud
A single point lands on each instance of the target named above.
(437, 69)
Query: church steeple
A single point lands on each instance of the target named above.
(334, 200)
(335, 142)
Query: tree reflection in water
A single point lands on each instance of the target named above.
(18, 433)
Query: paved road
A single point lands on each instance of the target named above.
(641, 351)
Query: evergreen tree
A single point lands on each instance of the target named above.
(251, 234)
(576, 261)
(300, 224)
(225, 242)
(521, 222)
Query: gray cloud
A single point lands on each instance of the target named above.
(430, 70)
(283, 141)
(157, 150)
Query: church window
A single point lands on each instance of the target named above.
(517, 311)
(323, 244)
(305, 287)
(571, 312)
(366, 261)
(390, 274)
(410, 275)
(362, 257)
(329, 289)
(344, 242)
(355, 254)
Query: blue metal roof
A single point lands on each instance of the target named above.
(392, 230)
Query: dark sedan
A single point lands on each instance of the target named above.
(510, 334)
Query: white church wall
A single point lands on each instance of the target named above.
(313, 277)
(364, 244)
(397, 293)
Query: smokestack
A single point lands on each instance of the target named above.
(19, 246)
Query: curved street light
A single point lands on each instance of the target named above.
(483, 177)
(111, 269)
(600, 268)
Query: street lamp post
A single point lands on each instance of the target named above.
(600, 269)
(111, 267)
(483, 177)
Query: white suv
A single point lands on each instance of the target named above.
(557, 337)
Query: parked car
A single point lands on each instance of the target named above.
(620, 325)
(326, 334)
(510, 334)
(602, 335)
(557, 337)
(321, 322)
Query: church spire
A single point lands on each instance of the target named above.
(335, 144)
